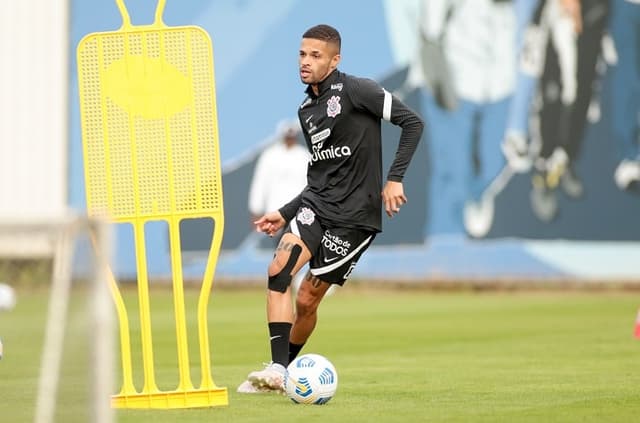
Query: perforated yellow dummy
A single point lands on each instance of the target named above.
(150, 145)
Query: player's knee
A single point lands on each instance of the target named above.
(279, 279)
(280, 273)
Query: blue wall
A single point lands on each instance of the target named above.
(255, 48)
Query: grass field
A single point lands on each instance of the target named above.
(401, 356)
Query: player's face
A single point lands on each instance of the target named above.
(317, 59)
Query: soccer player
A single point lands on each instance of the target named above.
(338, 214)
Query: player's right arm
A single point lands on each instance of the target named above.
(289, 210)
(270, 223)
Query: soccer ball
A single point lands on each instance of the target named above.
(7, 297)
(311, 379)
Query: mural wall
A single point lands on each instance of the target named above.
(529, 165)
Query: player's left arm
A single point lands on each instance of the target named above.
(369, 95)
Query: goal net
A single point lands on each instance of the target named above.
(58, 337)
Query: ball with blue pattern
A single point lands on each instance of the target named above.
(311, 379)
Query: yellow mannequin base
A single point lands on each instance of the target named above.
(172, 399)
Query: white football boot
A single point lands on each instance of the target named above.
(271, 377)
(247, 387)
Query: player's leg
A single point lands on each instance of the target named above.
(331, 264)
(312, 291)
(290, 256)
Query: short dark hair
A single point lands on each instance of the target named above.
(324, 33)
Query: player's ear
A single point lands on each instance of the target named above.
(335, 60)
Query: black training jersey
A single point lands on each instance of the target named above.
(341, 127)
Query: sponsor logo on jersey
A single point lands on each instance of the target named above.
(335, 244)
(306, 216)
(333, 106)
(337, 86)
(321, 136)
(331, 152)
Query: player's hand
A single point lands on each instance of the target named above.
(270, 223)
(393, 197)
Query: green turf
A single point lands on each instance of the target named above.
(401, 356)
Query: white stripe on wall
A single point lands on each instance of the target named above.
(602, 261)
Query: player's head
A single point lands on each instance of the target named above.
(319, 53)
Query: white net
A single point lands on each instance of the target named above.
(57, 336)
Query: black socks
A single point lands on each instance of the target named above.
(294, 349)
(279, 337)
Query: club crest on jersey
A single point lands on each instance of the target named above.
(306, 216)
(333, 106)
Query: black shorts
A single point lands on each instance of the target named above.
(334, 250)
